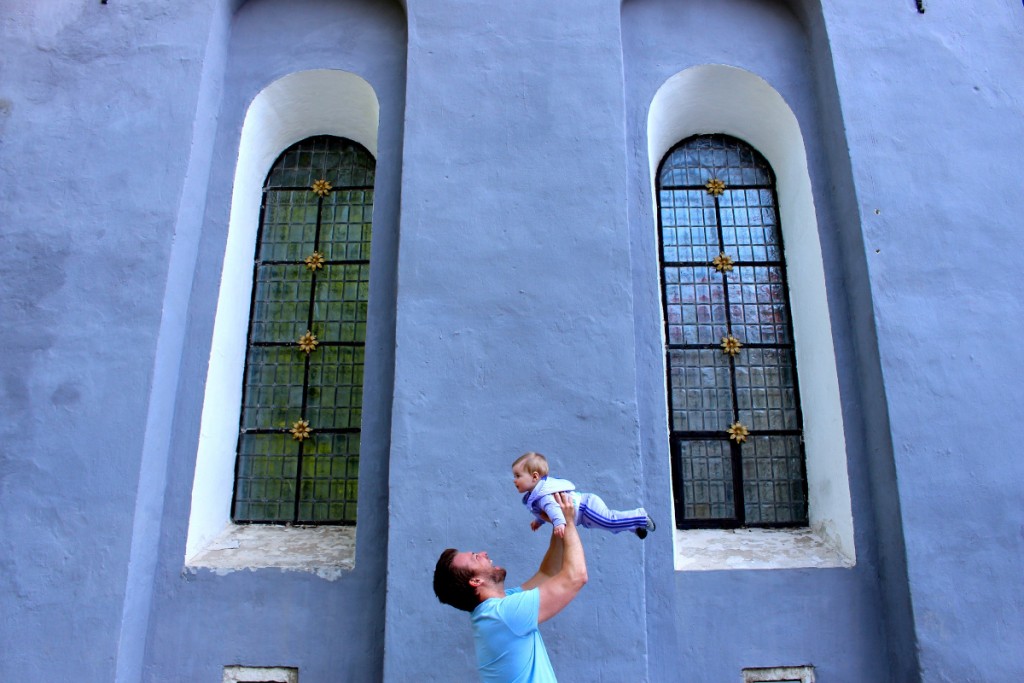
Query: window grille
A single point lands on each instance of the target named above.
(734, 411)
(298, 442)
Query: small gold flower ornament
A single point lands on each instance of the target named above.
(315, 261)
(731, 345)
(321, 187)
(300, 430)
(722, 262)
(738, 432)
(715, 187)
(308, 342)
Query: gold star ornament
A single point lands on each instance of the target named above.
(315, 261)
(731, 345)
(722, 262)
(300, 430)
(715, 187)
(738, 432)
(321, 187)
(308, 342)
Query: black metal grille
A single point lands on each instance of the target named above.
(719, 482)
(279, 479)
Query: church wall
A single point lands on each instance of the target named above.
(516, 312)
(865, 387)
(330, 625)
(514, 321)
(723, 621)
(97, 108)
(941, 254)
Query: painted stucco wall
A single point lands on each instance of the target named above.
(725, 620)
(514, 320)
(97, 110)
(515, 307)
(329, 629)
(940, 253)
(119, 136)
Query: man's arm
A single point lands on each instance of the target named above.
(560, 587)
(550, 565)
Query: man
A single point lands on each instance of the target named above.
(509, 648)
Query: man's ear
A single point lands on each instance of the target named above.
(476, 581)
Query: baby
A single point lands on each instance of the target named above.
(530, 475)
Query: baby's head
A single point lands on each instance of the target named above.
(527, 470)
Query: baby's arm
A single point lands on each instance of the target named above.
(538, 519)
(553, 511)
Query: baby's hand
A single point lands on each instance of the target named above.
(560, 531)
(535, 524)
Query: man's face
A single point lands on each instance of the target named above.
(480, 565)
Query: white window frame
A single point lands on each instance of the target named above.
(715, 98)
(292, 108)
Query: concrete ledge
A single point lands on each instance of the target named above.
(326, 551)
(718, 549)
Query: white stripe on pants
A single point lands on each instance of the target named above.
(592, 513)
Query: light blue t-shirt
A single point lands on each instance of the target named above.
(509, 648)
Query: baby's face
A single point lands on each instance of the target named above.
(524, 481)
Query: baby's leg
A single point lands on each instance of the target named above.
(594, 514)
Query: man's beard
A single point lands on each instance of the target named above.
(498, 574)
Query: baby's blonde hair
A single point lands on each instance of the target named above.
(533, 462)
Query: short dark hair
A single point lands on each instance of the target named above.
(451, 584)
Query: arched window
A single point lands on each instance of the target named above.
(734, 410)
(298, 441)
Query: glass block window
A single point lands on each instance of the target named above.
(298, 441)
(735, 423)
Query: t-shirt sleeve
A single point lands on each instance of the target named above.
(520, 610)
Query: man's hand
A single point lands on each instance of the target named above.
(536, 524)
(568, 506)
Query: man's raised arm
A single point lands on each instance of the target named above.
(563, 572)
(549, 566)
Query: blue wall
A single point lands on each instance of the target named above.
(515, 305)
(940, 258)
(515, 310)
(725, 620)
(97, 119)
(331, 630)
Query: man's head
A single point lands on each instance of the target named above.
(459, 576)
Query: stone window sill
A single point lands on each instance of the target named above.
(724, 549)
(326, 551)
